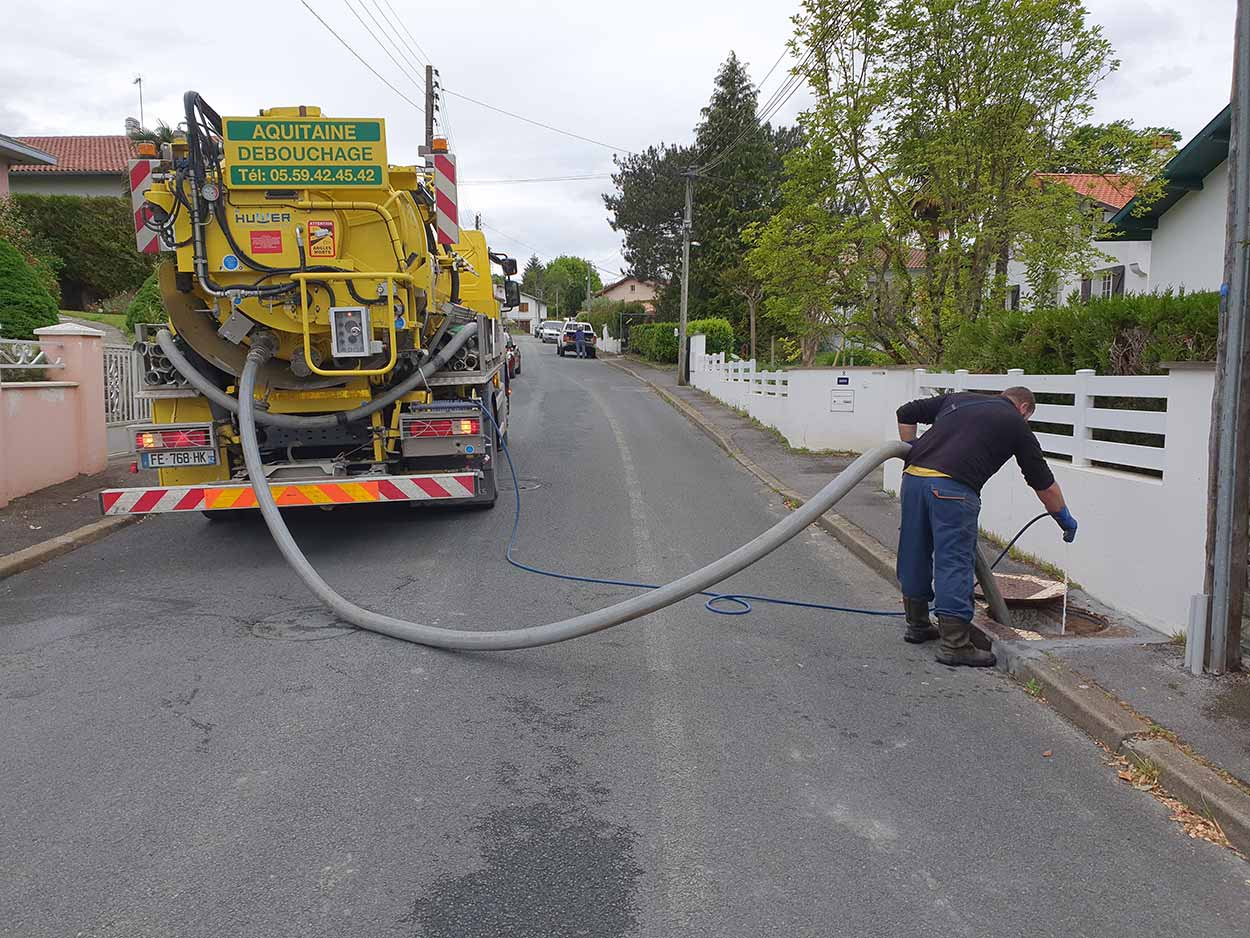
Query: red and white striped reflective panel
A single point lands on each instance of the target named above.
(446, 203)
(226, 496)
(148, 241)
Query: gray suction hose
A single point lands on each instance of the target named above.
(297, 422)
(535, 635)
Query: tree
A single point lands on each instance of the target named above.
(566, 278)
(532, 277)
(938, 115)
(648, 207)
(742, 282)
(1117, 147)
(744, 162)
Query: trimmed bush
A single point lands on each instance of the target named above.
(719, 332)
(94, 239)
(654, 341)
(1123, 335)
(147, 306)
(25, 304)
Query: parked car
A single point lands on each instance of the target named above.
(550, 330)
(514, 357)
(568, 339)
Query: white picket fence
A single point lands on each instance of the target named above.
(1141, 506)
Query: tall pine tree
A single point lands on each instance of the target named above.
(532, 277)
(741, 190)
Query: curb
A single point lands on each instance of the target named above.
(44, 551)
(855, 539)
(1079, 700)
(1198, 786)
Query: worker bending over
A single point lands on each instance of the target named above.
(971, 436)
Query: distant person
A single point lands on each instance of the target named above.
(970, 437)
(580, 338)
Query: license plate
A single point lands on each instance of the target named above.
(172, 459)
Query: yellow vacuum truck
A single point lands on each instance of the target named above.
(290, 229)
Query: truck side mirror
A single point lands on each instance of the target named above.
(511, 293)
(509, 266)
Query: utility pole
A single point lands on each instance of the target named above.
(685, 276)
(477, 221)
(429, 106)
(1229, 482)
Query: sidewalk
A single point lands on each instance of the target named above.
(44, 524)
(1125, 685)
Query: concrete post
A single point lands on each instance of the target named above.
(1081, 402)
(81, 348)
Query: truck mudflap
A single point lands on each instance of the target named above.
(231, 496)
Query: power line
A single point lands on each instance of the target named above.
(536, 250)
(404, 26)
(406, 69)
(496, 182)
(536, 123)
(344, 43)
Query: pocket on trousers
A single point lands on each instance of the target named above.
(949, 498)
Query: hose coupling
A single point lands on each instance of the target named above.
(264, 346)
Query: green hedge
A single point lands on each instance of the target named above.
(94, 239)
(25, 304)
(147, 306)
(1121, 335)
(719, 332)
(654, 341)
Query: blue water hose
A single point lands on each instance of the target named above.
(741, 602)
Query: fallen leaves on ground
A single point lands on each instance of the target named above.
(1197, 826)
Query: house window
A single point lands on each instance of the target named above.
(632, 287)
(1013, 297)
(1111, 282)
(1107, 284)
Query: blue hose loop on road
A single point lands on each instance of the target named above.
(740, 603)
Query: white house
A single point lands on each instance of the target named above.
(531, 311)
(1185, 229)
(14, 151)
(633, 290)
(1123, 270)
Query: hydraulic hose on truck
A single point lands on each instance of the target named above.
(536, 635)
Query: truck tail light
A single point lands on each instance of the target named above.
(177, 438)
(455, 426)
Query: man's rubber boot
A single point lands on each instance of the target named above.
(957, 649)
(920, 627)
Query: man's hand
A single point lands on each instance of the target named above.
(1065, 520)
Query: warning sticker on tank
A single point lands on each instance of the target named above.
(268, 241)
(321, 239)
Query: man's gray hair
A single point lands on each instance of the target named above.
(1021, 395)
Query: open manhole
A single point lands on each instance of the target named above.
(300, 625)
(1036, 605)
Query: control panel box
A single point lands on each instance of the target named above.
(350, 335)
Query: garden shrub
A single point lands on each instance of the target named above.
(147, 306)
(25, 303)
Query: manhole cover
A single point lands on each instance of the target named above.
(300, 625)
(1025, 589)
(528, 485)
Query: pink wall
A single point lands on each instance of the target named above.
(4, 177)
(51, 431)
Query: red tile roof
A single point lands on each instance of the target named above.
(1109, 189)
(916, 259)
(103, 155)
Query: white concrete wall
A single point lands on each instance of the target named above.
(1189, 242)
(1141, 544)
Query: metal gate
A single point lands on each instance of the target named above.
(123, 378)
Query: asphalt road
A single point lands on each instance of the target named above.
(191, 748)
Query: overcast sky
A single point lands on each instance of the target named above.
(626, 74)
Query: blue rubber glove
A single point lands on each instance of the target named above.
(1067, 522)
